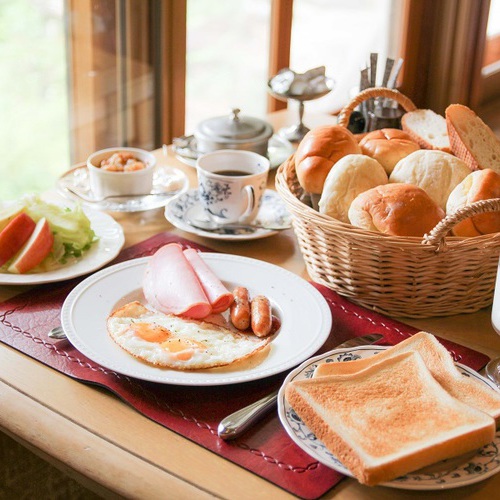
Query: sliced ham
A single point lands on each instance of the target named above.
(219, 296)
(172, 286)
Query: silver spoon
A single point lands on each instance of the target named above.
(208, 225)
(118, 198)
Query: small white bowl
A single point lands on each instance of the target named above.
(106, 183)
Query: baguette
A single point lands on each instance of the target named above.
(440, 363)
(389, 419)
(427, 129)
(471, 139)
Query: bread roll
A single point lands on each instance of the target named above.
(477, 186)
(427, 129)
(318, 151)
(350, 176)
(388, 146)
(471, 139)
(436, 172)
(395, 209)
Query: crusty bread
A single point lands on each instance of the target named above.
(427, 129)
(477, 186)
(388, 146)
(436, 172)
(350, 176)
(388, 419)
(318, 151)
(471, 139)
(395, 209)
(440, 363)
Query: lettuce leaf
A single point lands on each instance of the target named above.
(70, 226)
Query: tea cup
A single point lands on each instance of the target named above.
(231, 184)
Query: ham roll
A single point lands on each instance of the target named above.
(218, 295)
(172, 286)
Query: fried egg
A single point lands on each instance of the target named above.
(170, 341)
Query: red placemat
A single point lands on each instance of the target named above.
(194, 412)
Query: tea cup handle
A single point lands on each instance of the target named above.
(249, 214)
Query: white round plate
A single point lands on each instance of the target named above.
(452, 473)
(279, 149)
(105, 249)
(171, 181)
(304, 314)
(272, 211)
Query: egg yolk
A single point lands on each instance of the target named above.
(151, 332)
(131, 310)
(182, 349)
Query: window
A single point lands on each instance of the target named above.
(89, 74)
(34, 132)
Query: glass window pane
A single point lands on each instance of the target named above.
(34, 136)
(341, 35)
(227, 58)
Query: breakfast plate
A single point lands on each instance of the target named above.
(109, 243)
(278, 150)
(167, 183)
(303, 312)
(452, 473)
(272, 212)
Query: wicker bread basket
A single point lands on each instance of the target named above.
(438, 275)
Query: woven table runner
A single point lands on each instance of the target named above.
(195, 412)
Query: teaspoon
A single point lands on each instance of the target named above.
(208, 225)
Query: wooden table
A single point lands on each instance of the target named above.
(113, 450)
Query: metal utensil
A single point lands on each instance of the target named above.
(119, 198)
(57, 333)
(207, 225)
(238, 422)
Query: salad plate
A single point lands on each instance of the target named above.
(83, 319)
(168, 182)
(110, 240)
(452, 473)
(186, 207)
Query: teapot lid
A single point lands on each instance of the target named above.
(234, 127)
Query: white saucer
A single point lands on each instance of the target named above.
(272, 212)
(278, 150)
(171, 181)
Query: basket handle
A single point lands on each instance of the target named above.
(437, 235)
(345, 114)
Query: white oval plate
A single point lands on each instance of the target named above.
(272, 212)
(452, 473)
(171, 181)
(304, 314)
(104, 250)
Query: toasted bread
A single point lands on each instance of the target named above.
(388, 419)
(440, 363)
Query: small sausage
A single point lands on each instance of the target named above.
(261, 316)
(240, 309)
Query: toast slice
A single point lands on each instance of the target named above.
(389, 419)
(427, 129)
(471, 139)
(440, 363)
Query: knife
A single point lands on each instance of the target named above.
(238, 422)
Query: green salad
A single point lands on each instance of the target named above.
(71, 228)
